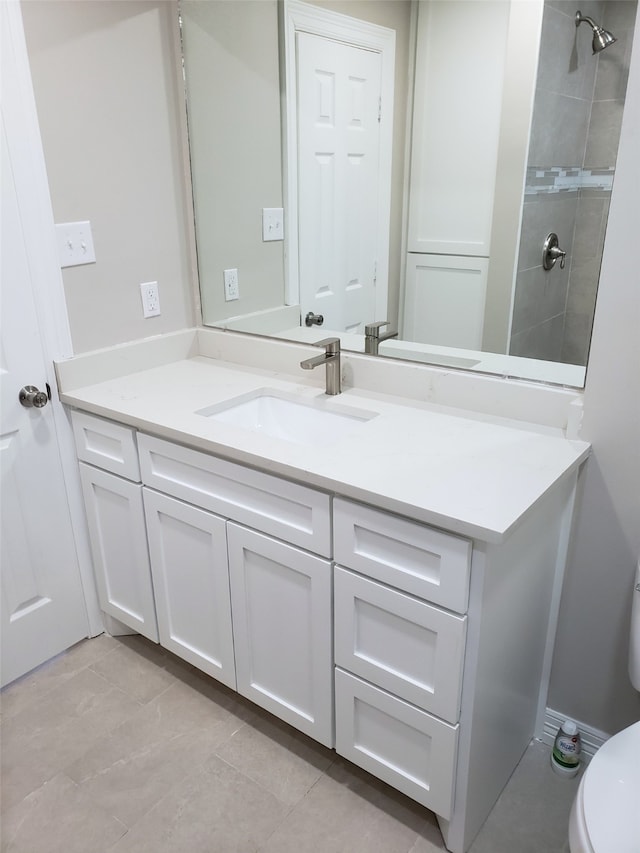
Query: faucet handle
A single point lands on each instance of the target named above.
(373, 328)
(330, 344)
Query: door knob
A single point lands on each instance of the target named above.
(30, 396)
(313, 319)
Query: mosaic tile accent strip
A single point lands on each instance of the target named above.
(559, 179)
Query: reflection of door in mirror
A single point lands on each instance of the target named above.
(340, 85)
(339, 91)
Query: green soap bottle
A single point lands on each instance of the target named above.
(565, 755)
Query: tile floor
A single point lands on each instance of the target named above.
(117, 745)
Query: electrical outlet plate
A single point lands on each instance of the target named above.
(150, 299)
(231, 286)
(272, 223)
(75, 244)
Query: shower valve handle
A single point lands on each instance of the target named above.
(551, 252)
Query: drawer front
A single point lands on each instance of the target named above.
(399, 643)
(282, 509)
(402, 553)
(397, 742)
(107, 445)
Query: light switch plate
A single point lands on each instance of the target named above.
(75, 244)
(272, 223)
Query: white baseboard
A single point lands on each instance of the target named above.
(592, 739)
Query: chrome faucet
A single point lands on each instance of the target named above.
(372, 336)
(330, 357)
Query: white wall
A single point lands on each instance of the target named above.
(233, 85)
(107, 96)
(589, 678)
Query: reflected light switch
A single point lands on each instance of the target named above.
(75, 244)
(272, 223)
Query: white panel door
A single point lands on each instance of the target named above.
(281, 602)
(43, 607)
(444, 300)
(117, 530)
(460, 58)
(339, 88)
(188, 549)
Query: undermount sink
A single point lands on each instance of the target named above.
(315, 421)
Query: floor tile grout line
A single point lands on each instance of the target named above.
(60, 679)
(296, 805)
(193, 769)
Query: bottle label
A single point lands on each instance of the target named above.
(566, 751)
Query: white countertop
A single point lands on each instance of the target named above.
(477, 476)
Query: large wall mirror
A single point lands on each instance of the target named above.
(427, 179)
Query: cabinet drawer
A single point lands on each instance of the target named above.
(397, 742)
(402, 553)
(106, 444)
(400, 643)
(282, 509)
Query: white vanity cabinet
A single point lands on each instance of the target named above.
(422, 655)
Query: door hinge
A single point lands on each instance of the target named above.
(379, 109)
(375, 272)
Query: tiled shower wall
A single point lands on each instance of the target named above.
(574, 143)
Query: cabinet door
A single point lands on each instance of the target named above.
(445, 300)
(188, 548)
(281, 601)
(456, 125)
(115, 516)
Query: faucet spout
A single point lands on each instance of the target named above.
(316, 361)
(331, 358)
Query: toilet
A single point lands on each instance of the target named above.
(605, 816)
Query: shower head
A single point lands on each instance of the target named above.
(601, 38)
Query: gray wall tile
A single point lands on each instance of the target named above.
(543, 341)
(577, 338)
(566, 64)
(558, 130)
(603, 134)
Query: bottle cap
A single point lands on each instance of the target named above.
(569, 727)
